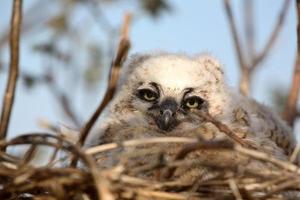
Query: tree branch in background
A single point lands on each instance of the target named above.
(244, 83)
(114, 76)
(249, 28)
(13, 69)
(35, 16)
(237, 42)
(274, 35)
(290, 112)
(247, 68)
(61, 98)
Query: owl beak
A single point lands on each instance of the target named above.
(166, 120)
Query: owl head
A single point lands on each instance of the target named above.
(166, 90)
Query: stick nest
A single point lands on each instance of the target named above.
(144, 169)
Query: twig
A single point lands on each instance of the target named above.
(234, 188)
(235, 36)
(35, 17)
(64, 102)
(248, 9)
(114, 76)
(244, 83)
(60, 96)
(225, 129)
(295, 155)
(280, 187)
(266, 157)
(99, 17)
(136, 142)
(246, 68)
(158, 194)
(218, 144)
(233, 29)
(16, 21)
(274, 35)
(29, 155)
(60, 143)
(290, 112)
(121, 55)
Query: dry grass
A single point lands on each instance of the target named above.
(128, 178)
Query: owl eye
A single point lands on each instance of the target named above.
(193, 102)
(147, 95)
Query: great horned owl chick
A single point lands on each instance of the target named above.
(160, 94)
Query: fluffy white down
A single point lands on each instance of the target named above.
(175, 72)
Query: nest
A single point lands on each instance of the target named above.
(72, 172)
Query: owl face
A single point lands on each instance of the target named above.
(167, 108)
(167, 90)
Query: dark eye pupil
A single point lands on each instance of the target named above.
(192, 101)
(149, 94)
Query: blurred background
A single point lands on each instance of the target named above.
(67, 47)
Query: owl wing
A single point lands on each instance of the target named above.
(272, 127)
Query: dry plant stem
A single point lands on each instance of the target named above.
(219, 144)
(29, 155)
(115, 183)
(157, 194)
(136, 142)
(280, 187)
(266, 157)
(295, 154)
(59, 143)
(121, 55)
(114, 76)
(225, 129)
(13, 68)
(235, 190)
(290, 113)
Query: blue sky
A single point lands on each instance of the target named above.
(193, 27)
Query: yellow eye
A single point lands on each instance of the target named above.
(147, 95)
(193, 102)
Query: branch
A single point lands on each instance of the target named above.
(200, 144)
(225, 129)
(60, 143)
(290, 112)
(274, 35)
(248, 68)
(244, 83)
(33, 19)
(248, 9)
(114, 76)
(13, 69)
(237, 42)
(63, 100)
